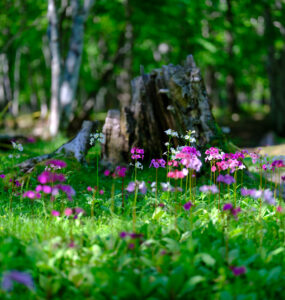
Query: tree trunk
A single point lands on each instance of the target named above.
(55, 68)
(64, 89)
(16, 92)
(171, 97)
(230, 80)
(276, 75)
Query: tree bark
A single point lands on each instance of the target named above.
(171, 97)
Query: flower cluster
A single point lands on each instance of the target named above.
(266, 195)
(156, 163)
(212, 189)
(171, 133)
(70, 212)
(227, 179)
(18, 147)
(97, 137)
(234, 211)
(56, 164)
(176, 174)
(137, 153)
(189, 158)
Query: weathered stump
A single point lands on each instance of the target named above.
(171, 97)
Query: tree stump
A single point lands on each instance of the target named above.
(170, 97)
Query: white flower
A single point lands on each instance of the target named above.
(166, 144)
(170, 108)
(168, 131)
(10, 155)
(20, 147)
(14, 145)
(138, 165)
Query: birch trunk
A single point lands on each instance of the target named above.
(55, 68)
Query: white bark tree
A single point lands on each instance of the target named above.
(65, 71)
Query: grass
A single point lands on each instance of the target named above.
(176, 254)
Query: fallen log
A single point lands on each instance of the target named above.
(76, 147)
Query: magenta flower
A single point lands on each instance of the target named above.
(131, 187)
(55, 213)
(16, 276)
(237, 271)
(47, 189)
(120, 171)
(131, 246)
(89, 189)
(282, 177)
(2, 176)
(137, 153)
(188, 205)
(31, 195)
(101, 192)
(48, 177)
(56, 163)
(213, 153)
(107, 172)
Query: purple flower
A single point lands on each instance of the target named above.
(228, 179)
(156, 163)
(67, 189)
(131, 187)
(123, 234)
(228, 206)
(188, 205)
(209, 189)
(131, 246)
(2, 176)
(16, 276)
(237, 271)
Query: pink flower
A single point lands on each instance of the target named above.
(55, 213)
(209, 189)
(68, 211)
(89, 189)
(101, 192)
(31, 195)
(46, 189)
(107, 172)
(214, 168)
(2, 176)
(176, 174)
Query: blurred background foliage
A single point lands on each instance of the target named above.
(239, 46)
